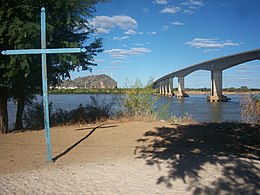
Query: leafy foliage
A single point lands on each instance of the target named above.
(140, 101)
(67, 26)
(98, 109)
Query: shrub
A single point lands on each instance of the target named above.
(98, 109)
(249, 111)
(140, 101)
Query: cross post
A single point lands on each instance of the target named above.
(43, 51)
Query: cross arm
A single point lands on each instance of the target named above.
(43, 51)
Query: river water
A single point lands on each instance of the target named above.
(195, 105)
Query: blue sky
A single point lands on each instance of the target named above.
(151, 38)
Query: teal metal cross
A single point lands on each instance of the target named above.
(43, 51)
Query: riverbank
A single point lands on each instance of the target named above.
(133, 157)
(127, 90)
(195, 92)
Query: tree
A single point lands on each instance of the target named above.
(244, 88)
(67, 26)
(140, 101)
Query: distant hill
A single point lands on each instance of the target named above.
(90, 82)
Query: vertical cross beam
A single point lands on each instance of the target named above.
(43, 51)
(45, 88)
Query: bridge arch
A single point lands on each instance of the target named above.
(216, 66)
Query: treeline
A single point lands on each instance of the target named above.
(88, 91)
(230, 89)
(98, 91)
(126, 90)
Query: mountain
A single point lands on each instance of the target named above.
(90, 82)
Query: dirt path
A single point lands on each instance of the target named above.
(131, 158)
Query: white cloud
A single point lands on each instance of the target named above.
(116, 67)
(170, 10)
(146, 10)
(138, 44)
(165, 28)
(160, 2)
(210, 43)
(188, 11)
(124, 53)
(190, 5)
(211, 50)
(121, 38)
(193, 4)
(101, 31)
(103, 24)
(177, 23)
(119, 62)
(130, 32)
(152, 33)
(98, 60)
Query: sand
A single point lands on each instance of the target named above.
(132, 158)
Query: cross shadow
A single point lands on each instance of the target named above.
(81, 140)
(188, 150)
(101, 127)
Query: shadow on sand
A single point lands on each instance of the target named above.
(187, 149)
(81, 140)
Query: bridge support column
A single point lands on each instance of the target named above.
(170, 91)
(160, 87)
(164, 87)
(216, 87)
(181, 89)
(168, 87)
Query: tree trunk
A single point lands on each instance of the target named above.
(3, 110)
(19, 113)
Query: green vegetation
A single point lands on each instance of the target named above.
(97, 110)
(97, 91)
(127, 90)
(140, 102)
(241, 89)
(88, 91)
(67, 26)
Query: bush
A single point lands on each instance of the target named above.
(249, 109)
(140, 102)
(95, 111)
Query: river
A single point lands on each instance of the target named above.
(195, 105)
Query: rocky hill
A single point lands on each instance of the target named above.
(90, 82)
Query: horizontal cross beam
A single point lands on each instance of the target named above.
(43, 51)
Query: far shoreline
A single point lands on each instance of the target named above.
(126, 90)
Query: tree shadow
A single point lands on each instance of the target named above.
(187, 151)
(81, 140)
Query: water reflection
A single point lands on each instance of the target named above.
(203, 111)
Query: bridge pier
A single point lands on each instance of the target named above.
(169, 87)
(161, 87)
(216, 87)
(181, 89)
(165, 87)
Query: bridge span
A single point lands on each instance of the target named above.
(216, 66)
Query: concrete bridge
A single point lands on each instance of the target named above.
(216, 66)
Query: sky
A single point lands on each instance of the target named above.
(146, 39)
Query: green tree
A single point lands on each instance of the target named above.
(244, 88)
(67, 26)
(140, 101)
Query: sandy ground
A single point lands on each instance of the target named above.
(133, 158)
